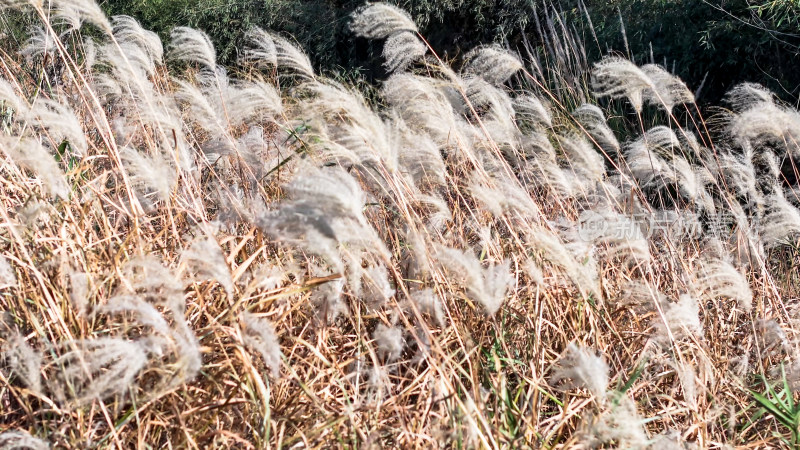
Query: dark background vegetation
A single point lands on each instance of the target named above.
(710, 44)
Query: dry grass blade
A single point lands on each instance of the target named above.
(257, 255)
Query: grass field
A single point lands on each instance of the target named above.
(500, 251)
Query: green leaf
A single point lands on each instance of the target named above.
(786, 389)
(770, 406)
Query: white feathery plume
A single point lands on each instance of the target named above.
(253, 151)
(337, 190)
(440, 214)
(429, 303)
(693, 147)
(739, 232)
(498, 279)
(377, 290)
(89, 53)
(497, 134)
(420, 158)
(380, 20)
(546, 173)
(594, 123)
(745, 95)
(30, 154)
(583, 274)
(259, 49)
(489, 198)
(259, 336)
(538, 146)
(675, 224)
(717, 278)
(793, 374)
(79, 291)
(21, 439)
(128, 30)
(124, 86)
(781, 222)
(530, 108)
(582, 158)
(292, 58)
(149, 173)
(619, 426)
(692, 181)
(584, 369)
(141, 50)
(378, 381)
(618, 236)
(9, 96)
(124, 82)
(352, 125)
(189, 359)
(488, 286)
(423, 105)
(174, 348)
(126, 77)
(656, 161)
(491, 102)
(390, 342)
(202, 109)
(7, 276)
(32, 212)
(738, 174)
(768, 168)
(792, 194)
(492, 63)
(660, 140)
(669, 90)
(265, 49)
(130, 66)
(642, 296)
(504, 193)
(82, 371)
(216, 106)
(770, 336)
(533, 271)
(146, 315)
(766, 124)
(416, 254)
(25, 362)
(619, 78)
(40, 43)
(670, 440)
(267, 277)
(147, 277)
(252, 101)
(60, 124)
(682, 318)
(646, 167)
(323, 210)
(401, 49)
(582, 252)
(192, 46)
(204, 259)
(74, 13)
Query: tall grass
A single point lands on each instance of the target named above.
(492, 253)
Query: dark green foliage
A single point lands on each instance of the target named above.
(725, 42)
(722, 43)
(16, 26)
(321, 27)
